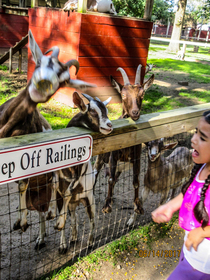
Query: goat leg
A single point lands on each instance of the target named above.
(53, 205)
(100, 161)
(136, 171)
(40, 243)
(21, 222)
(89, 204)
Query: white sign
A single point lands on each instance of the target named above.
(32, 160)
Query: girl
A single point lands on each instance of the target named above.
(194, 214)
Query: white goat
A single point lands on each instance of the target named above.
(165, 173)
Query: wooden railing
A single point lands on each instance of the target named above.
(17, 48)
(126, 132)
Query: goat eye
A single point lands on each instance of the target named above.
(93, 113)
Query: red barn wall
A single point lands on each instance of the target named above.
(12, 29)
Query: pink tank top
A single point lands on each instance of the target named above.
(187, 220)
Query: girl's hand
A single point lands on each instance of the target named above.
(162, 214)
(194, 238)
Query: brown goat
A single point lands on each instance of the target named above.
(132, 97)
(20, 115)
(166, 173)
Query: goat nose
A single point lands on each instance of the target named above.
(109, 124)
(135, 112)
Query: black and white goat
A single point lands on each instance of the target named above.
(166, 173)
(74, 185)
(132, 97)
(20, 115)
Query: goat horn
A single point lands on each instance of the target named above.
(107, 101)
(88, 97)
(96, 98)
(73, 62)
(124, 75)
(55, 51)
(138, 75)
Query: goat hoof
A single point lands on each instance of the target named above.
(24, 227)
(139, 211)
(39, 246)
(107, 209)
(16, 225)
(50, 216)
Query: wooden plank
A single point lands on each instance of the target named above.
(104, 72)
(106, 30)
(116, 41)
(116, 20)
(111, 62)
(107, 51)
(126, 132)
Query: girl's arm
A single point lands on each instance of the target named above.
(196, 236)
(165, 212)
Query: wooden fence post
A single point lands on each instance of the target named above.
(20, 61)
(10, 60)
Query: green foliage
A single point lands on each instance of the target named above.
(3, 67)
(130, 8)
(162, 11)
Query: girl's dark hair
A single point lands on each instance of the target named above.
(199, 210)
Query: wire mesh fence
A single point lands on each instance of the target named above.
(20, 260)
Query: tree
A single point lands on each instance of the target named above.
(163, 11)
(177, 27)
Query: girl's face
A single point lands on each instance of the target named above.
(200, 142)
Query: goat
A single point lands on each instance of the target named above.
(132, 97)
(165, 173)
(101, 6)
(76, 183)
(81, 177)
(20, 115)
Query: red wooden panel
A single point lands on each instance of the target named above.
(112, 51)
(40, 22)
(95, 40)
(116, 21)
(111, 61)
(106, 30)
(105, 80)
(10, 36)
(13, 19)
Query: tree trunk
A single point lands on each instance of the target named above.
(177, 28)
(148, 9)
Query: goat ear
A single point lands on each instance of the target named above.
(78, 101)
(170, 146)
(149, 82)
(116, 85)
(35, 50)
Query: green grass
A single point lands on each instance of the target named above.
(155, 101)
(197, 71)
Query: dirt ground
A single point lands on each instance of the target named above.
(20, 261)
